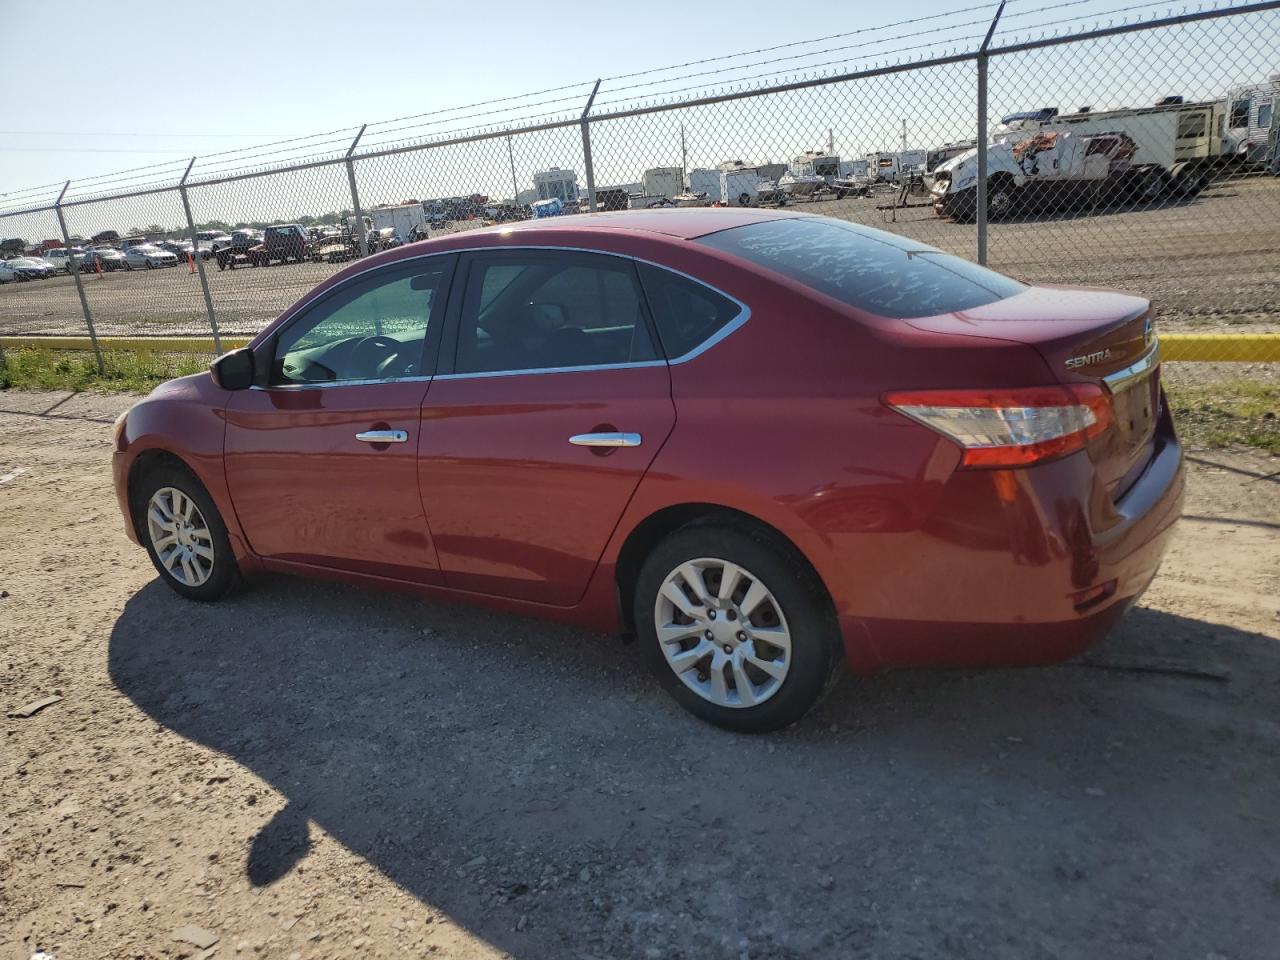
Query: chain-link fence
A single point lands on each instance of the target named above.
(1142, 155)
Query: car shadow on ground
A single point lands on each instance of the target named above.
(497, 767)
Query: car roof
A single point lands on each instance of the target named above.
(686, 223)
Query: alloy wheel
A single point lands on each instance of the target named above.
(722, 632)
(180, 536)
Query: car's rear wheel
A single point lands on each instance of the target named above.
(184, 534)
(736, 626)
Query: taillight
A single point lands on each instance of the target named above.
(1010, 428)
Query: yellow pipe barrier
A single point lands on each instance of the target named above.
(153, 344)
(1211, 347)
(1221, 347)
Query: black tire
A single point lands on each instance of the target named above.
(744, 199)
(1000, 200)
(815, 637)
(150, 265)
(225, 575)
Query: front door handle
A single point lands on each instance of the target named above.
(383, 436)
(605, 440)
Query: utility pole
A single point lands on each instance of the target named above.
(904, 134)
(831, 142)
(684, 158)
(511, 157)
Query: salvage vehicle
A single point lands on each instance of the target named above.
(282, 242)
(762, 443)
(19, 269)
(1170, 149)
(102, 259)
(1044, 171)
(148, 256)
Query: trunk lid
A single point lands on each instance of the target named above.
(1086, 336)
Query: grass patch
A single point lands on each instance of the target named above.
(1227, 413)
(126, 371)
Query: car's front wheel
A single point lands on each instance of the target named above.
(184, 534)
(736, 626)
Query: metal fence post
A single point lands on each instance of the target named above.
(980, 188)
(586, 150)
(355, 194)
(199, 260)
(75, 272)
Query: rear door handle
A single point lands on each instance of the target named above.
(383, 436)
(605, 440)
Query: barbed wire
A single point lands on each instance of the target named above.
(311, 148)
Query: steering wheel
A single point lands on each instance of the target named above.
(375, 352)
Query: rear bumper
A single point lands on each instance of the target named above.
(996, 575)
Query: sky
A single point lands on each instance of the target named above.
(168, 81)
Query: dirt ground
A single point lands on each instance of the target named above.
(1208, 263)
(310, 771)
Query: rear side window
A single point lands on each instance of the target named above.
(686, 313)
(867, 269)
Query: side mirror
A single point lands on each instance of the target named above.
(234, 370)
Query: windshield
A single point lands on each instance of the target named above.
(864, 268)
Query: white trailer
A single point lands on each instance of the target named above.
(912, 161)
(705, 181)
(740, 187)
(663, 182)
(402, 219)
(1252, 112)
(882, 167)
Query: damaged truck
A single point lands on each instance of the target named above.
(1045, 161)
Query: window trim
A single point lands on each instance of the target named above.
(449, 345)
(446, 340)
(431, 345)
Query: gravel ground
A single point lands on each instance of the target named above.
(1210, 263)
(313, 771)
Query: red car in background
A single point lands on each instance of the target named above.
(762, 442)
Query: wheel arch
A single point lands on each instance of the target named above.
(650, 531)
(143, 464)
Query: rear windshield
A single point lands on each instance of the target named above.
(873, 271)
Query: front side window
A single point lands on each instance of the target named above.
(373, 329)
(1264, 115)
(869, 270)
(538, 309)
(1240, 113)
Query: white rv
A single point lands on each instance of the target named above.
(1252, 113)
(662, 182)
(882, 167)
(739, 187)
(402, 218)
(558, 184)
(811, 163)
(705, 181)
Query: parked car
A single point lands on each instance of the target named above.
(149, 256)
(726, 439)
(243, 240)
(104, 258)
(215, 240)
(61, 259)
(179, 248)
(282, 242)
(24, 268)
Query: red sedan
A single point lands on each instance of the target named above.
(762, 443)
